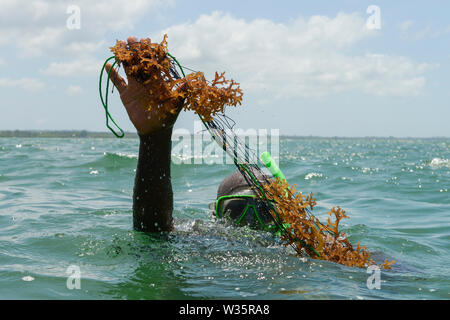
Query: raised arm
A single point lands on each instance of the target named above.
(152, 196)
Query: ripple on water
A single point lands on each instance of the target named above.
(54, 213)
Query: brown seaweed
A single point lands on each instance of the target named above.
(307, 234)
(149, 64)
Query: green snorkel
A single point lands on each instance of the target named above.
(276, 172)
(272, 166)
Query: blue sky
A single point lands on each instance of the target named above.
(306, 67)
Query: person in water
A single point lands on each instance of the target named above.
(152, 194)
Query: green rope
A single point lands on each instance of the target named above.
(179, 65)
(105, 101)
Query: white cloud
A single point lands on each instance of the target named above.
(74, 90)
(23, 83)
(38, 27)
(302, 58)
(79, 67)
(422, 32)
(81, 47)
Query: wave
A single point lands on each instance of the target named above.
(110, 160)
(120, 155)
(439, 163)
(312, 175)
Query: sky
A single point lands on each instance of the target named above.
(321, 68)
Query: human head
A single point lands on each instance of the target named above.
(238, 201)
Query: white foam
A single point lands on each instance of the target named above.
(123, 155)
(313, 175)
(438, 163)
(129, 156)
(28, 278)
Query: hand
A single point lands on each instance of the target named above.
(135, 97)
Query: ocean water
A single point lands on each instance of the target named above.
(65, 206)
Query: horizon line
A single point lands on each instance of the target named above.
(106, 134)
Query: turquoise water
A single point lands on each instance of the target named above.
(68, 202)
